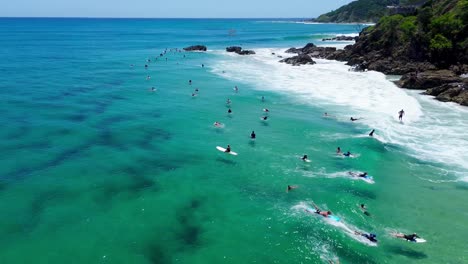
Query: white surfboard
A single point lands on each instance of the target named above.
(224, 150)
(416, 240)
(305, 160)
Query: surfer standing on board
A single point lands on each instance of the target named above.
(401, 114)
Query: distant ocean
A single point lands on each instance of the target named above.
(97, 168)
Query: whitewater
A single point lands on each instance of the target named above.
(431, 131)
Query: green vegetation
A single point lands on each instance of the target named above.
(437, 33)
(358, 11)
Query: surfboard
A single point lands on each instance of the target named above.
(331, 217)
(305, 160)
(266, 110)
(416, 240)
(224, 150)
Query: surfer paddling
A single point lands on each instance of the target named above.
(253, 135)
(411, 237)
(291, 187)
(305, 158)
(370, 236)
(320, 212)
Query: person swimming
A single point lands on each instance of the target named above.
(370, 236)
(228, 149)
(372, 133)
(338, 150)
(252, 135)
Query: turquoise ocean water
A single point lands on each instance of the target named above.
(95, 168)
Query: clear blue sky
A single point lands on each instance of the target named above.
(169, 8)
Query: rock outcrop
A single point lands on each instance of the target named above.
(238, 50)
(196, 48)
(341, 38)
(300, 59)
(452, 92)
(428, 79)
(314, 51)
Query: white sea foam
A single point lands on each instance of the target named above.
(432, 131)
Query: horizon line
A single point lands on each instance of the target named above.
(92, 17)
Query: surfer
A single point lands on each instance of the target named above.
(228, 149)
(320, 212)
(370, 236)
(347, 154)
(196, 90)
(338, 150)
(263, 98)
(371, 134)
(354, 119)
(401, 114)
(146, 66)
(364, 210)
(291, 187)
(217, 124)
(148, 78)
(153, 89)
(203, 65)
(229, 111)
(266, 110)
(411, 237)
(265, 118)
(252, 135)
(228, 101)
(304, 158)
(236, 89)
(190, 82)
(362, 175)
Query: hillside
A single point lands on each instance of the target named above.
(361, 11)
(430, 48)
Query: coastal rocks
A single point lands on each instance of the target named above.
(235, 49)
(341, 38)
(238, 50)
(300, 59)
(314, 51)
(196, 48)
(452, 92)
(427, 79)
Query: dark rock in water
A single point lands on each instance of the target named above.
(235, 49)
(239, 50)
(427, 79)
(196, 48)
(314, 51)
(246, 52)
(293, 50)
(451, 92)
(300, 59)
